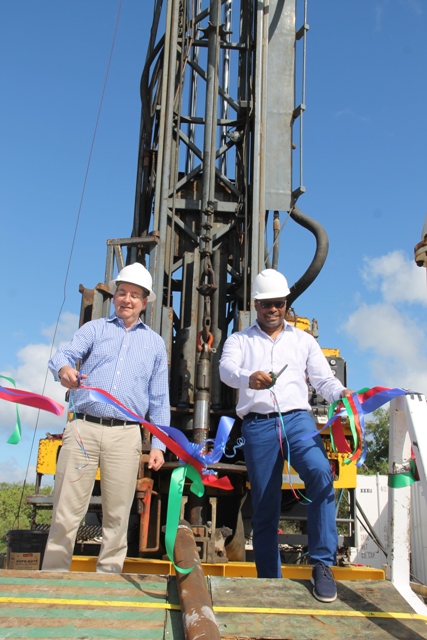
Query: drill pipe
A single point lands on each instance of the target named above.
(198, 619)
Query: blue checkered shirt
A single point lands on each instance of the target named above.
(131, 365)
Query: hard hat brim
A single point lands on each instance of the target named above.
(271, 295)
(113, 286)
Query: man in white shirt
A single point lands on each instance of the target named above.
(275, 414)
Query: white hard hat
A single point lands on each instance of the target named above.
(270, 284)
(134, 274)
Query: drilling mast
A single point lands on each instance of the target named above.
(215, 159)
(221, 124)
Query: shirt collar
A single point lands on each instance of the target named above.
(119, 321)
(257, 326)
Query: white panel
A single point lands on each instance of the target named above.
(418, 534)
(372, 495)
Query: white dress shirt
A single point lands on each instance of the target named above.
(254, 350)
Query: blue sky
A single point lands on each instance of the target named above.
(364, 171)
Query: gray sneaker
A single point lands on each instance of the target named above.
(324, 587)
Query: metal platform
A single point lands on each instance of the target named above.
(36, 604)
(41, 604)
(286, 610)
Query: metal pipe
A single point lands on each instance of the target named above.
(276, 235)
(225, 79)
(192, 98)
(202, 397)
(211, 107)
(160, 220)
(198, 619)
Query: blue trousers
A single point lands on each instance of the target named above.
(264, 462)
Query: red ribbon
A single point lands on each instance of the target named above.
(209, 479)
(31, 400)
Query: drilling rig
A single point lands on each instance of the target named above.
(219, 173)
(220, 170)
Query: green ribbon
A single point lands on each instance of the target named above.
(350, 416)
(174, 505)
(16, 435)
(353, 429)
(405, 479)
(399, 480)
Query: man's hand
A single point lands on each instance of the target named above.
(345, 393)
(156, 459)
(260, 380)
(70, 377)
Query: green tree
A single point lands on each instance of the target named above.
(377, 440)
(15, 513)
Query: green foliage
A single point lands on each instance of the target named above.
(15, 513)
(377, 440)
(342, 501)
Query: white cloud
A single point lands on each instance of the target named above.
(11, 472)
(379, 14)
(394, 340)
(414, 5)
(395, 343)
(398, 278)
(66, 327)
(32, 374)
(350, 113)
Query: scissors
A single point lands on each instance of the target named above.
(274, 376)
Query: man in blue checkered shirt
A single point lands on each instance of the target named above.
(123, 356)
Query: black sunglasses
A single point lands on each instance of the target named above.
(268, 304)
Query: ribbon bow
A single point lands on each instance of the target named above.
(355, 407)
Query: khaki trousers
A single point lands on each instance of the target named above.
(116, 450)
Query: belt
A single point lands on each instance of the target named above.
(106, 422)
(268, 416)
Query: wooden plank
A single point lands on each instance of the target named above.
(35, 604)
(39, 604)
(285, 609)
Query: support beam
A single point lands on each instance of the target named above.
(408, 417)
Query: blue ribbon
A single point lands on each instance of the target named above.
(192, 448)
